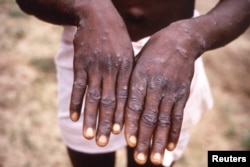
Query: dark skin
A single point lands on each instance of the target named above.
(149, 94)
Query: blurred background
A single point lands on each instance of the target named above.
(29, 134)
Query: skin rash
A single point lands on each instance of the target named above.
(147, 94)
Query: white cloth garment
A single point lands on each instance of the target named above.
(200, 100)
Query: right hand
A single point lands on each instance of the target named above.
(103, 61)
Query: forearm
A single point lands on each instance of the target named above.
(224, 23)
(52, 11)
(62, 12)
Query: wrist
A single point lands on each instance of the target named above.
(187, 33)
(206, 28)
(84, 10)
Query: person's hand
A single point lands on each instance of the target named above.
(103, 61)
(159, 89)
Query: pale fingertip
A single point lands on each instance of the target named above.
(141, 158)
(116, 129)
(102, 141)
(132, 141)
(171, 146)
(89, 133)
(156, 159)
(74, 116)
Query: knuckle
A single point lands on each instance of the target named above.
(105, 126)
(175, 131)
(137, 90)
(135, 105)
(157, 83)
(94, 95)
(160, 142)
(178, 118)
(122, 94)
(80, 61)
(108, 101)
(90, 117)
(164, 121)
(118, 116)
(79, 66)
(149, 119)
(79, 84)
(135, 102)
(143, 144)
(132, 126)
(178, 121)
(126, 63)
(75, 105)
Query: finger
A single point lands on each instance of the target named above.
(148, 122)
(107, 108)
(121, 95)
(176, 117)
(162, 131)
(93, 97)
(78, 91)
(134, 108)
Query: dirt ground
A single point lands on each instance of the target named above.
(29, 134)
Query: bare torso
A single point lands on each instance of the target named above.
(145, 17)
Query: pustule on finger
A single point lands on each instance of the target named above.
(116, 129)
(74, 116)
(156, 158)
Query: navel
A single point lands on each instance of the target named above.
(135, 14)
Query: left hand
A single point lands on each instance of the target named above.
(159, 89)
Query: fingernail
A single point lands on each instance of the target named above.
(141, 157)
(74, 116)
(102, 141)
(171, 146)
(116, 128)
(132, 141)
(89, 133)
(157, 157)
